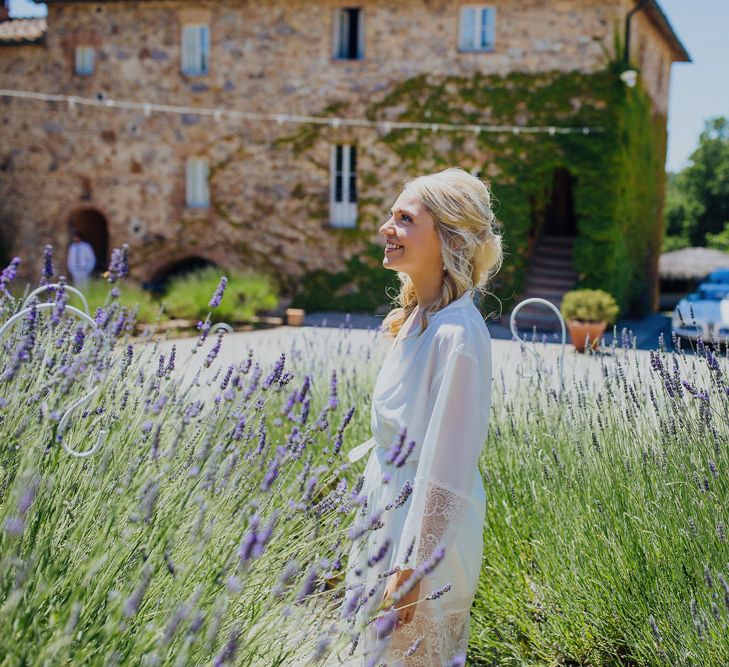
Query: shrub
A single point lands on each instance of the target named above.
(98, 295)
(188, 296)
(589, 305)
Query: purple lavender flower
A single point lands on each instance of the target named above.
(402, 497)
(78, 339)
(132, 603)
(59, 303)
(402, 459)
(214, 351)
(119, 264)
(171, 361)
(394, 451)
(120, 325)
(218, 294)
(379, 554)
(305, 386)
(413, 647)
(305, 411)
(147, 427)
(440, 592)
(239, 428)
(385, 624)
(8, 275)
(47, 272)
(307, 587)
(333, 399)
(271, 475)
(227, 653)
(275, 374)
(226, 378)
(458, 660)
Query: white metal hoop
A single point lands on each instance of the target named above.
(515, 333)
(70, 288)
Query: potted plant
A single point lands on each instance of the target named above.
(587, 313)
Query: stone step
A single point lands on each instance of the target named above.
(562, 273)
(553, 295)
(550, 262)
(552, 251)
(557, 240)
(542, 282)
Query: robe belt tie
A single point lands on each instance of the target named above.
(356, 453)
(359, 451)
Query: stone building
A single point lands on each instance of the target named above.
(304, 199)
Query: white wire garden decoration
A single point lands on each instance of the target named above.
(63, 422)
(539, 365)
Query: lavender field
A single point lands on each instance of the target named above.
(196, 507)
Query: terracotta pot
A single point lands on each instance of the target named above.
(579, 332)
(295, 317)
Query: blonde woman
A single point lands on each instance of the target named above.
(424, 559)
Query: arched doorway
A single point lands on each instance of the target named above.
(559, 213)
(91, 225)
(161, 277)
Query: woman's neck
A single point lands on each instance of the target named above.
(427, 289)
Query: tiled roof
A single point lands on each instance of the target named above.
(22, 31)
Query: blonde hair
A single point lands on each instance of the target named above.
(460, 205)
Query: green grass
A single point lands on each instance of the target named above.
(188, 297)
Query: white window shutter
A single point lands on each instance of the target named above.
(204, 49)
(203, 185)
(487, 27)
(195, 49)
(467, 39)
(84, 60)
(342, 186)
(197, 187)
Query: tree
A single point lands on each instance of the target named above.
(697, 198)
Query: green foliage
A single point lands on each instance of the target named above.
(719, 241)
(617, 171)
(671, 243)
(188, 296)
(132, 296)
(589, 305)
(362, 286)
(697, 202)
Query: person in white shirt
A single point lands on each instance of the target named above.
(80, 260)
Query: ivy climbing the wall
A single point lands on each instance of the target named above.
(616, 173)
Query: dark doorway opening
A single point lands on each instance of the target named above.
(91, 225)
(559, 213)
(161, 279)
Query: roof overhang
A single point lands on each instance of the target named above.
(660, 20)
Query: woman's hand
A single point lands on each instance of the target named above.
(406, 605)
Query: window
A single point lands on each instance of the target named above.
(343, 186)
(195, 49)
(348, 34)
(197, 188)
(84, 65)
(477, 29)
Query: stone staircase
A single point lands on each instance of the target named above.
(549, 275)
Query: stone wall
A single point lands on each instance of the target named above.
(269, 201)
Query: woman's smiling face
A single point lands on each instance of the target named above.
(413, 245)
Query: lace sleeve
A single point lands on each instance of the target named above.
(448, 461)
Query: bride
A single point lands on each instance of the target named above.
(429, 419)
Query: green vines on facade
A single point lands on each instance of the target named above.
(616, 172)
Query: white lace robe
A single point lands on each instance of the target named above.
(437, 385)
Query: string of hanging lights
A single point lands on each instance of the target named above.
(218, 114)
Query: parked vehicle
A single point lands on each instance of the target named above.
(710, 307)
